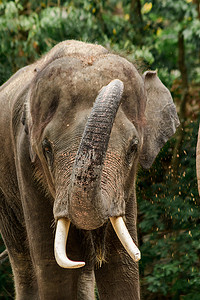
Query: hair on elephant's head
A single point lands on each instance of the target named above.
(91, 117)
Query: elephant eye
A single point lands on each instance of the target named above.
(47, 151)
(132, 147)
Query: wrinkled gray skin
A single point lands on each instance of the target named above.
(44, 110)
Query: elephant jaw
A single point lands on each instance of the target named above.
(61, 235)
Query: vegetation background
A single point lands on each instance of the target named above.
(156, 34)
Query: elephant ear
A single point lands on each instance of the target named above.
(24, 121)
(161, 118)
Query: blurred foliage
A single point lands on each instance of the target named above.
(6, 278)
(169, 222)
(163, 35)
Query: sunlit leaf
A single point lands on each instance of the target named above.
(146, 8)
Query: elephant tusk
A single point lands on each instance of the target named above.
(125, 238)
(62, 260)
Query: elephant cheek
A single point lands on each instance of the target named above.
(113, 187)
(60, 209)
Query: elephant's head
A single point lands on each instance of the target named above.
(87, 157)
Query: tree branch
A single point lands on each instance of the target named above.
(3, 256)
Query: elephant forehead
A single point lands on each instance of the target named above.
(78, 74)
(71, 84)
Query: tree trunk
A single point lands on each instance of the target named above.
(182, 112)
(136, 19)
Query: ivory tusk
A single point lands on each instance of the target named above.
(62, 260)
(125, 238)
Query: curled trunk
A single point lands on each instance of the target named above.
(87, 208)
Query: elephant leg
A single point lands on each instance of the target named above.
(53, 281)
(86, 285)
(14, 236)
(118, 278)
(25, 283)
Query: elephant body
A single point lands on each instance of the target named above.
(59, 160)
(198, 160)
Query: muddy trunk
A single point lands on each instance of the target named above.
(87, 208)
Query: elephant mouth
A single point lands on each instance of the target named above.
(61, 235)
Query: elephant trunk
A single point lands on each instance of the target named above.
(87, 208)
(198, 160)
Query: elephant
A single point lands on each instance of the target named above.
(74, 126)
(198, 160)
